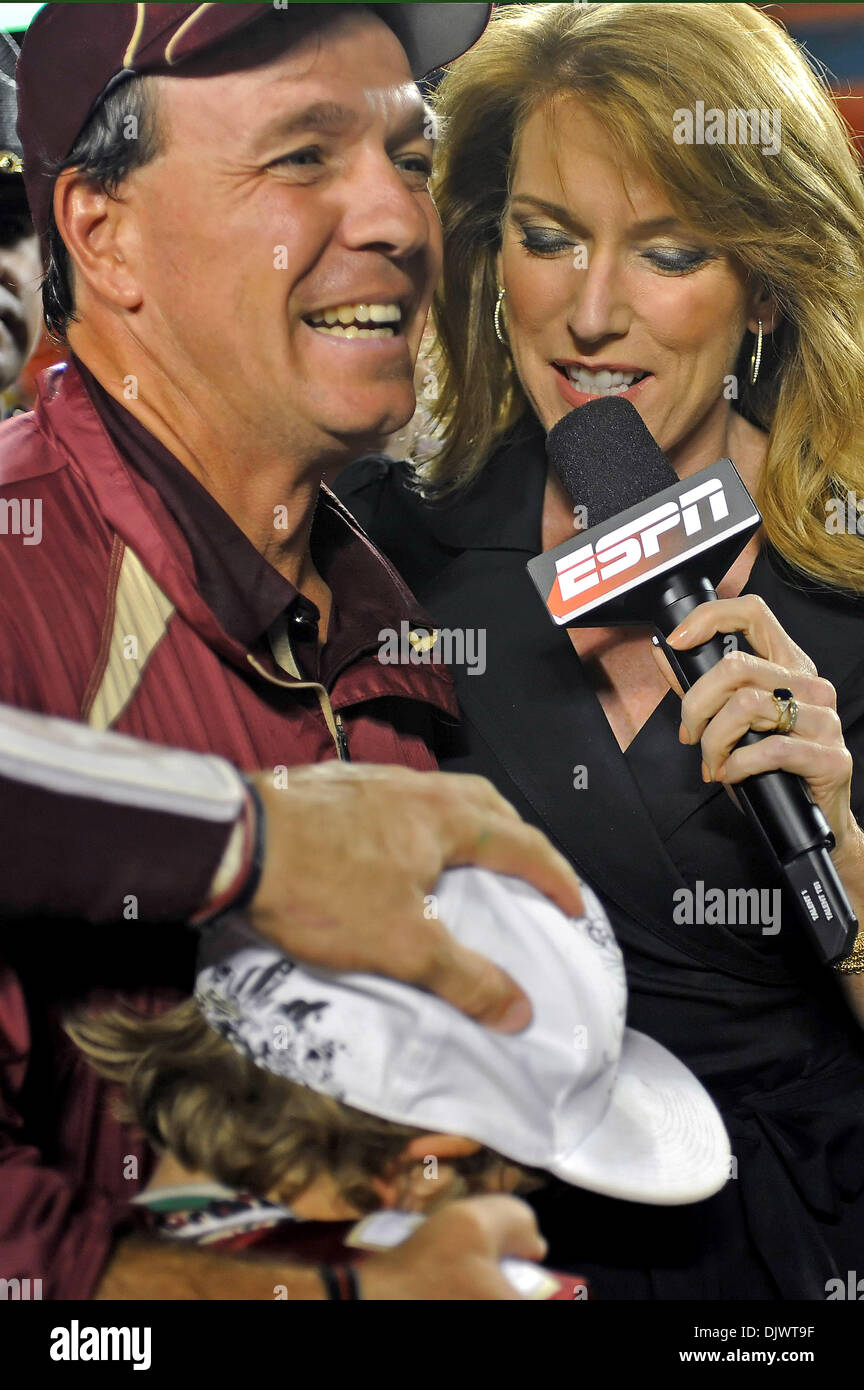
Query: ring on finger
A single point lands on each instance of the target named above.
(787, 710)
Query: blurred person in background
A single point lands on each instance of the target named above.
(20, 261)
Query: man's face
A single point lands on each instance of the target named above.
(20, 281)
(287, 192)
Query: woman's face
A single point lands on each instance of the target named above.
(608, 293)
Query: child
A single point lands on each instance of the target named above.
(292, 1100)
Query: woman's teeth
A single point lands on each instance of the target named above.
(602, 383)
(358, 321)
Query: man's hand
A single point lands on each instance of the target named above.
(353, 851)
(455, 1254)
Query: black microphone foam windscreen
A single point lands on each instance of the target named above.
(607, 459)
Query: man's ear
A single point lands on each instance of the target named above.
(91, 224)
(406, 1184)
(439, 1146)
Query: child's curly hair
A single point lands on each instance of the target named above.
(215, 1110)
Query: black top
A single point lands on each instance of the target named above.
(752, 1012)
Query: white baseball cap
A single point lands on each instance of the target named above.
(575, 1093)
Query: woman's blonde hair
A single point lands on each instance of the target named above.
(217, 1111)
(794, 220)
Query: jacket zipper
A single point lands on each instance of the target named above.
(333, 720)
(344, 754)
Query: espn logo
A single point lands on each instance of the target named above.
(627, 546)
(700, 513)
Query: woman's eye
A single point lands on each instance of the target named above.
(543, 243)
(676, 262)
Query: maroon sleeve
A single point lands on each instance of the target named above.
(104, 827)
(79, 857)
(50, 1230)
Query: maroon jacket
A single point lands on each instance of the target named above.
(104, 621)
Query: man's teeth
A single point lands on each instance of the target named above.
(358, 320)
(602, 383)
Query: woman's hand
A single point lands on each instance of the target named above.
(736, 695)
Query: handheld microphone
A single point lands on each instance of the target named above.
(656, 548)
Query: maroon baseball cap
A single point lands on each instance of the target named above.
(73, 55)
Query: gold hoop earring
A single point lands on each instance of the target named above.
(498, 304)
(756, 356)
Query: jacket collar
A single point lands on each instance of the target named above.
(244, 592)
(133, 507)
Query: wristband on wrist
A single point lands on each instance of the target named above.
(243, 883)
(340, 1282)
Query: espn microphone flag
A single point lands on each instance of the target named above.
(643, 522)
(651, 556)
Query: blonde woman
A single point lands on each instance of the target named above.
(598, 242)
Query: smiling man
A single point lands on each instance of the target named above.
(240, 250)
(255, 293)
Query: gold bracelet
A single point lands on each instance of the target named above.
(853, 964)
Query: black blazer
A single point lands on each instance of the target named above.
(752, 1013)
